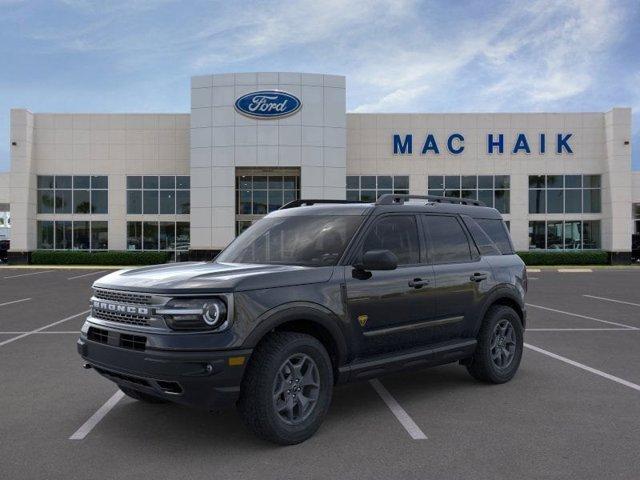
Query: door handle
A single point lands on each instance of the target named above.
(478, 277)
(418, 283)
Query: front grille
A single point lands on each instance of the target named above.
(133, 342)
(127, 318)
(98, 335)
(122, 297)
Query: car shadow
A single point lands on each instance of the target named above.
(170, 426)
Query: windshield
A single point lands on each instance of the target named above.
(309, 240)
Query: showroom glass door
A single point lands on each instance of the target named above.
(263, 190)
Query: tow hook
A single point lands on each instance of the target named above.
(86, 366)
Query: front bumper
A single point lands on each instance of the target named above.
(203, 379)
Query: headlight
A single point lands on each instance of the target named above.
(194, 313)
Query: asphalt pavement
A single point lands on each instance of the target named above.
(571, 412)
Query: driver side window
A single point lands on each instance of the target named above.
(397, 233)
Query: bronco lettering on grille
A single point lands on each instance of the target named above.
(125, 309)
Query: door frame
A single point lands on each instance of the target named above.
(354, 248)
(426, 237)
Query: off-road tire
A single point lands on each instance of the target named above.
(481, 366)
(256, 402)
(141, 396)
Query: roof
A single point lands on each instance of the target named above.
(358, 208)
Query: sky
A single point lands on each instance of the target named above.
(398, 55)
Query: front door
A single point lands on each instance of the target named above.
(387, 306)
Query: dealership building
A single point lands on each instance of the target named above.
(190, 182)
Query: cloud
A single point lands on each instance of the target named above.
(556, 59)
(91, 26)
(99, 7)
(260, 31)
(398, 55)
(412, 73)
(532, 56)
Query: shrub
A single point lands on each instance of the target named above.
(111, 257)
(587, 257)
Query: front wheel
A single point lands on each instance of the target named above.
(500, 343)
(287, 388)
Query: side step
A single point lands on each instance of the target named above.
(370, 367)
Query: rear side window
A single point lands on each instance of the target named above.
(398, 234)
(447, 239)
(482, 240)
(497, 232)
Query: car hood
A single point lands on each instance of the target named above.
(194, 277)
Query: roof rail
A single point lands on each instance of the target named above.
(306, 202)
(399, 199)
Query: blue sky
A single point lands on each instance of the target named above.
(398, 56)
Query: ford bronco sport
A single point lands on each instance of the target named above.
(315, 294)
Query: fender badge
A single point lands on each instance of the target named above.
(362, 319)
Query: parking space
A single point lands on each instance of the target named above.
(620, 285)
(543, 318)
(556, 419)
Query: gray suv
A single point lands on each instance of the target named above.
(315, 294)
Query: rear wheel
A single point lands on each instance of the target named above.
(141, 396)
(287, 388)
(500, 343)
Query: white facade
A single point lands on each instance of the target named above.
(321, 144)
(115, 145)
(597, 142)
(222, 139)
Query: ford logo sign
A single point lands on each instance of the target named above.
(268, 104)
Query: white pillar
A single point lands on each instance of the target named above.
(22, 182)
(617, 220)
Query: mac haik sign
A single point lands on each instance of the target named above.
(495, 143)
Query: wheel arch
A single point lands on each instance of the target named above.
(508, 298)
(309, 318)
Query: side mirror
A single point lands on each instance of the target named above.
(378, 260)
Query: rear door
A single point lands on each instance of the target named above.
(461, 275)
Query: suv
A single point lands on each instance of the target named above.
(315, 294)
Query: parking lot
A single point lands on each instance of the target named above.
(572, 411)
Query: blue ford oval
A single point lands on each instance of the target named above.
(268, 104)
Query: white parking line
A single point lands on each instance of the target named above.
(38, 330)
(612, 300)
(575, 270)
(14, 301)
(25, 274)
(87, 426)
(613, 378)
(86, 275)
(582, 316)
(403, 417)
